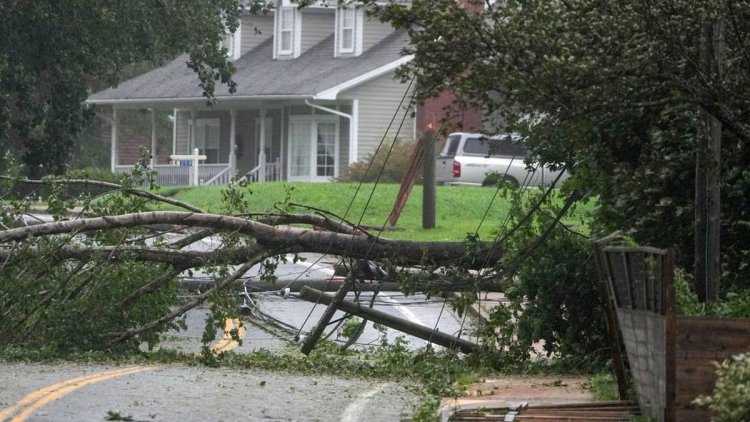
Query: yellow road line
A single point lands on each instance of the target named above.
(227, 343)
(39, 398)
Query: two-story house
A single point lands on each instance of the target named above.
(316, 91)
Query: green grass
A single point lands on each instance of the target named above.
(460, 209)
(604, 387)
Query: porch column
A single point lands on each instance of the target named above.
(194, 121)
(174, 131)
(232, 140)
(153, 138)
(354, 133)
(262, 154)
(113, 153)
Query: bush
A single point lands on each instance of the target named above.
(730, 400)
(393, 170)
(551, 291)
(735, 305)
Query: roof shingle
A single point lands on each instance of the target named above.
(259, 76)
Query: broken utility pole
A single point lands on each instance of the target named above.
(380, 317)
(317, 331)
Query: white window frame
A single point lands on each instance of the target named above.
(356, 28)
(287, 23)
(347, 33)
(313, 121)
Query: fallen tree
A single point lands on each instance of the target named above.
(106, 275)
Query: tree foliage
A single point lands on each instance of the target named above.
(52, 52)
(614, 91)
(106, 276)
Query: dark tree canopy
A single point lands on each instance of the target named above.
(614, 90)
(51, 52)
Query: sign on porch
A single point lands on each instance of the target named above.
(189, 161)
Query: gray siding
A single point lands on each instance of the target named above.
(316, 26)
(378, 101)
(182, 141)
(373, 31)
(251, 38)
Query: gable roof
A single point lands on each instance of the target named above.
(315, 74)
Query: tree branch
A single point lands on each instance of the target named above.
(289, 239)
(109, 185)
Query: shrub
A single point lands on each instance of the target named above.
(393, 169)
(734, 305)
(551, 290)
(730, 400)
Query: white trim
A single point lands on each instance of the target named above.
(232, 142)
(202, 100)
(353, 125)
(237, 42)
(341, 13)
(332, 93)
(354, 133)
(113, 140)
(174, 131)
(357, 32)
(295, 41)
(285, 12)
(360, 33)
(154, 158)
(313, 120)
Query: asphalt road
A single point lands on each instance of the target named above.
(68, 392)
(78, 392)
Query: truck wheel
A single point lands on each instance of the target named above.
(492, 181)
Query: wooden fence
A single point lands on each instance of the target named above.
(670, 357)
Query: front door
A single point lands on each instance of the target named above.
(313, 148)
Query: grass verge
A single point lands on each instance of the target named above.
(459, 209)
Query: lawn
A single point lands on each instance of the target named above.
(459, 208)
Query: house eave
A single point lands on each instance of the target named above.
(333, 92)
(185, 100)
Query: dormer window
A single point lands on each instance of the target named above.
(287, 32)
(233, 43)
(349, 31)
(346, 33)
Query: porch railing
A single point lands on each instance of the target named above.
(273, 172)
(172, 175)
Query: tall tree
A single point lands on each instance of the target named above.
(51, 52)
(615, 90)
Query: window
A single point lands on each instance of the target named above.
(286, 30)
(313, 148)
(346, 29)
(233, 43)
(487, 147)
(349, 26)
(207, 138)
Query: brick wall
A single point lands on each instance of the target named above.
(431, 114)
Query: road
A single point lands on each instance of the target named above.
(78, 392)
(180, 393)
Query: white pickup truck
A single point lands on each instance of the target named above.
(476, 159)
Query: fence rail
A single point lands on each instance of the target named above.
(172, 175)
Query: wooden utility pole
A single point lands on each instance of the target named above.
(707, 271)
(380, 317)
(317, 331)
(428, 183)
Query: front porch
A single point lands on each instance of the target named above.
(260, 141)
